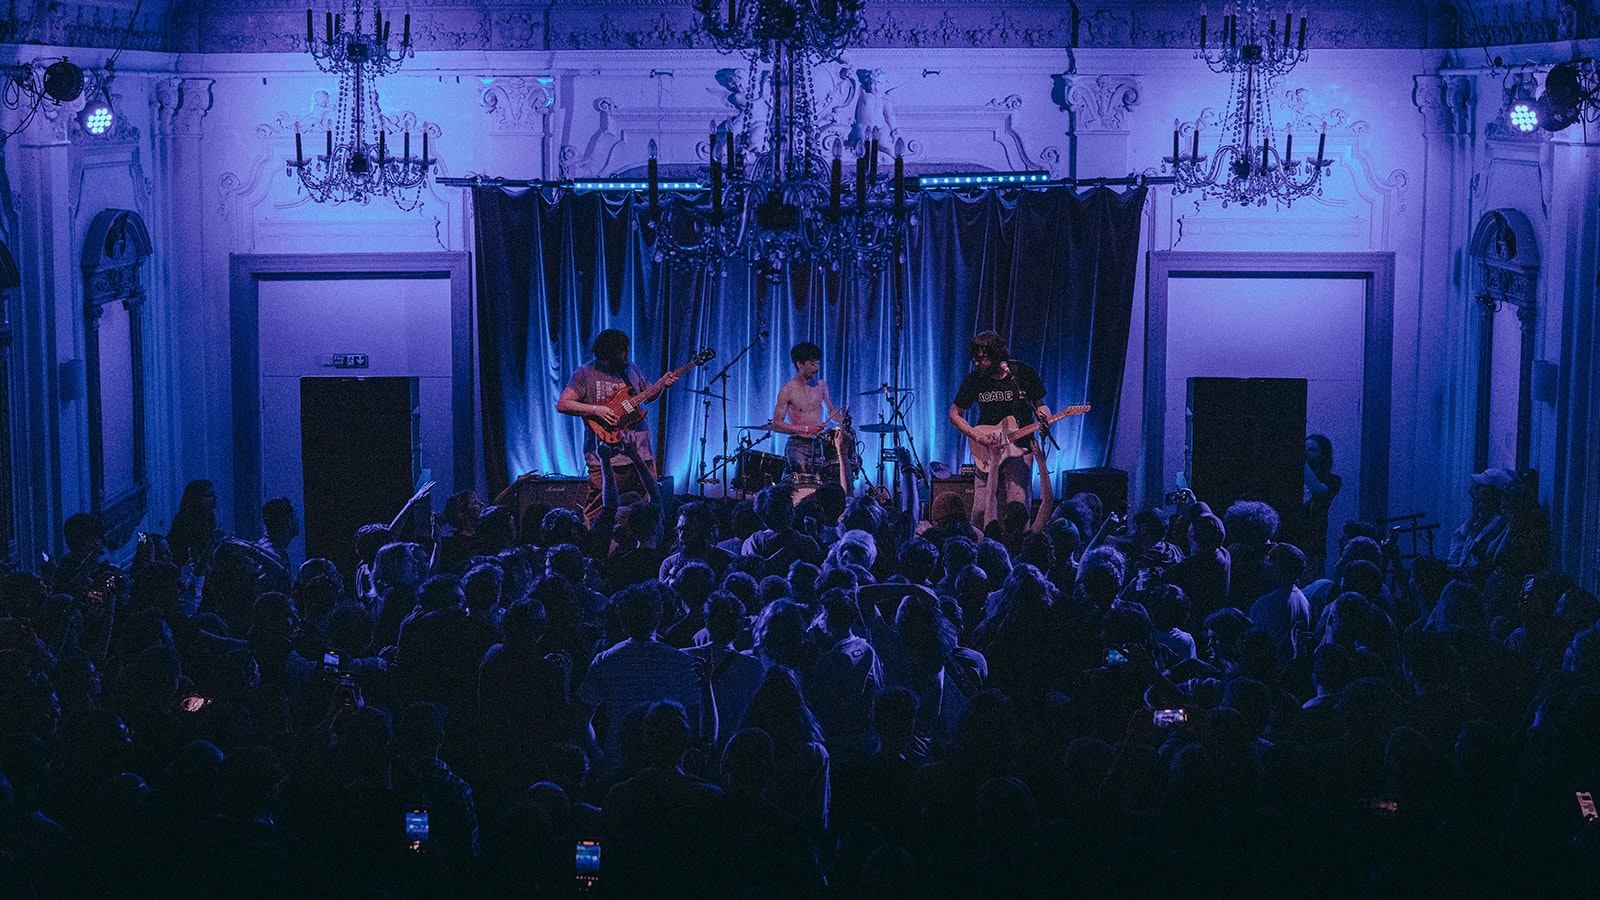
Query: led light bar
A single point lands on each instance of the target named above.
(632, 184)
(983, 180)
(1524, 117)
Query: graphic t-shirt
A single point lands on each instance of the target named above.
(594, 385)
(1016, 396)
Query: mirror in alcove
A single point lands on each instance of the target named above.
(114, 253)
(1505, 264)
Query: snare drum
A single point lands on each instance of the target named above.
(802, 484)
(757, 470)
(838, 442)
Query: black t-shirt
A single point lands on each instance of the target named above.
(1017, 395)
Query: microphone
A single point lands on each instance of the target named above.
(763, 333)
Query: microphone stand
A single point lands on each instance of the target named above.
(722, 376)
(705, 426)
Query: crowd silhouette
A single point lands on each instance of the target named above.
(822, 699)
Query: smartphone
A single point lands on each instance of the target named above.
(1166, 718)
(1586, 806)
(416, 829)
(1141, 580)
(1115, 657)
(587, 858)
(330, 660)
(194, 704)
(1378, 807)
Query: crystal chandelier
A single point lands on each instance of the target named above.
(778, 194)
(358, 161)
(1250, 166)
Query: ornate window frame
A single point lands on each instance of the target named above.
(1505, 256)
(114, 254)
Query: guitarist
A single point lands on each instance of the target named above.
(586, 394)
(1001, 387)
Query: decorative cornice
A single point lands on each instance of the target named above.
(275, 26)
(63, 23)
(1444, 102)
(518, 103)
(1100, 104)
(181, 104)
(1498, 23)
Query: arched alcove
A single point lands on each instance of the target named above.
(114, 253)
(1505, 273)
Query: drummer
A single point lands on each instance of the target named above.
(799, 412)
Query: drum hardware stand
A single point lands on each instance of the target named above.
(722, 461)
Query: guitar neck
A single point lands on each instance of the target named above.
(654, 390)
(1053, 418)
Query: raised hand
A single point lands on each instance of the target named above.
(703, 670)
(421, 492)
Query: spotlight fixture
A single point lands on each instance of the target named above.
(1524, 116)
(57, 82)
(63, 81)
(1570, 95)
(97, 117)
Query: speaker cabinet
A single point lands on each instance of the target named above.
(960, 485)
(1110, 485)
(1246, 441)
(360, 451)
(545, 492)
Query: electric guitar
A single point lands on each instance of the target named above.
(1013, 439)
(629, 406)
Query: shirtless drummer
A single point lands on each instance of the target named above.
(799, 412)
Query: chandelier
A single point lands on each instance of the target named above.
(358, 161)
(1251, 166)
(778, 193)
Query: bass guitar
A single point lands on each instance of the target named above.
(629, 406)
(1012, 438)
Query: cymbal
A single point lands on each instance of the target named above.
(882, 428)
(885, 389)
(764, 426)
(705, 393)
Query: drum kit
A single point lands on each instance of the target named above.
(754, 468)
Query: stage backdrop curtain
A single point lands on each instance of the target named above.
(1052, 271)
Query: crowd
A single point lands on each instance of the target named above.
(813, 699)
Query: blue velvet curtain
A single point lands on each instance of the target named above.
(1052, 270)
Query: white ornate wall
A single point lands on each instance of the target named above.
(1414, 165)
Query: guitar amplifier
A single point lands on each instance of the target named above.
(549, 492)
(960, 485)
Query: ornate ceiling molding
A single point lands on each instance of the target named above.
(275, 26)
